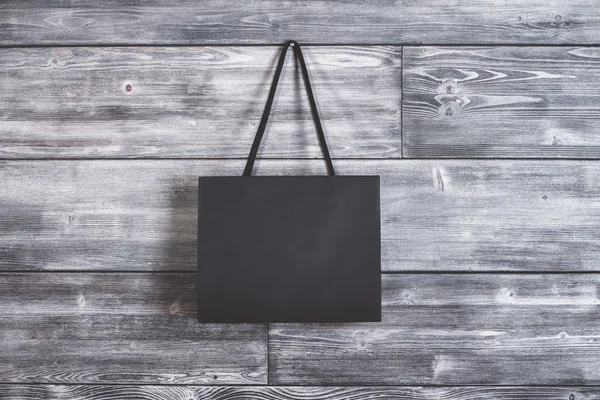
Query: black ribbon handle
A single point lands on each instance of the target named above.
(267, 111)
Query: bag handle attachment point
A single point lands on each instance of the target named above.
(313, 108)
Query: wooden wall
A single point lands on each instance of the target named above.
(483, 121)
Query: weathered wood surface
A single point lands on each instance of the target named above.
(454, 329)
(470, 215)
(92, 335)
(206, 102)
(195, 102)
(95, 392)
(119, 328)
(436, 329)
(273, 21)
(501, 102)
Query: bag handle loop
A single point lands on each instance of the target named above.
(267, 111)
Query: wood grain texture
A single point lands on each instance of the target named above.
(501, 102)
(454, 329)
(195, 102)
(119, 328)
(273, 21)
(446, 215)
(96, 392)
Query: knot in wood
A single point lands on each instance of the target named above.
(449, 109)
(560, 22)
(448, 87)
(449, 98)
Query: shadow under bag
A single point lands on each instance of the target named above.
(289, 248)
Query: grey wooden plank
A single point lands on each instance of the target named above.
(106, 392)
(273, 21)
(119, 328)
(501, 102)
(444, 215)
(458, 329)
(195, 102)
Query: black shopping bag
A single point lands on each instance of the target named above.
(289, 248)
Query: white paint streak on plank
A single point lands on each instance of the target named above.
(454, 329)
(195, 102)
(98, 392)
(273, 21)
(529, 102)
(125, 331)
(142, 214)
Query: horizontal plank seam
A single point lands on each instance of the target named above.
(489, 272)
(186, 158)
(320, 44)
(259, 385)
(100, 271)
(441, 159)
(532, 158)
(407, 272)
